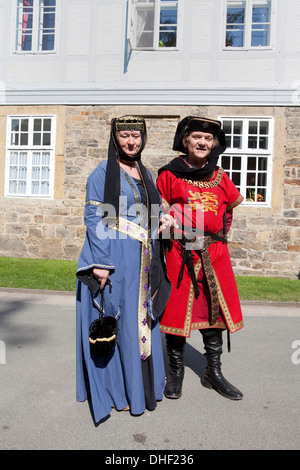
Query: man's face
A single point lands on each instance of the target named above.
(199, 145)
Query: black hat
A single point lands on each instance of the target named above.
(203, 124)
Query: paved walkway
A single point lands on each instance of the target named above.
(38, 409)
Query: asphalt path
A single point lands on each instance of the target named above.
(38, 408)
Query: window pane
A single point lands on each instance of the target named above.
(253, 131)
(145, 28)
(37, 126)
(47, 125)
(253, 127)
(45, 188)
(263, 143)
(262, 164)
(13, 187)
(37, 138)
(36, 158)
(15, 125)
(261, 13)
(13, 172)
(236, 14)
(262, 179)
(13, 158)
(22, 172)
(227, 127)
(23, 158)
(233, 131)
(251, 179)
(35, 174)
(261, 17)
(24, 25)
(35, 186)
(47, 25)
(24, 125)
(226, 163)
(15, 132)
(46, 138)
(261, 195)
(24, 139)
(236, 163)
(237, 137)
(45, 173)
(22, 187)
(168, 33)
(236, 178)
(46, 158)
(235, 37)
(251, 164)
(264, 127)
(235, 24)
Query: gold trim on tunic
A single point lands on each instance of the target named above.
(188, 325)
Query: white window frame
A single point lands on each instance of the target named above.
(132, 24)
(37, 29)
(244, 152)
(248, 26)
(30, 149)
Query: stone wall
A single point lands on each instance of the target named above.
(263, 241)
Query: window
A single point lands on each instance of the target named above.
(248, 158)
(248, 24)
(153, 24)
(35, 25)
(30, 156)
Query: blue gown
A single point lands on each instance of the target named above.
(117, 380)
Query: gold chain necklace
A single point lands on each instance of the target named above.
(207, 184)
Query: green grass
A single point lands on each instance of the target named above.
(268, 288)
(38, 274)
(60, 275)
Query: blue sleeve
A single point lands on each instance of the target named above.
(96, 250)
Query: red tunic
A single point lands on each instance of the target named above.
(200, 204)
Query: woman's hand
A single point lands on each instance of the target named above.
(101, 275)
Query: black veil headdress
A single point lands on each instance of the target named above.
(112, 189)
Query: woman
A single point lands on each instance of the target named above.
(204, 294)
(118, 246)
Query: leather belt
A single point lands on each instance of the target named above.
(201, 245)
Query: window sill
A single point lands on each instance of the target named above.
(25, 53)
(160, 49)
(16, 196)
(248, 49)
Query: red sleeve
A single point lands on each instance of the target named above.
(234, 197)
(228, 220)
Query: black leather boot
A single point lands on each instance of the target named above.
(175, 349)
(213, 377)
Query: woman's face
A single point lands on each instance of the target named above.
(130, 141)
(199, 145)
